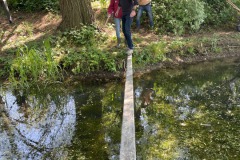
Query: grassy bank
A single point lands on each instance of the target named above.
(33, 50)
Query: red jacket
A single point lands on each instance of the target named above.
(112, 8)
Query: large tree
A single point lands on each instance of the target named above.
(75, 12)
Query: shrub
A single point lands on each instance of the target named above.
(178, 17)
(189, 15)
(87, 35)
(153, 53)
(35, 5)
(218, 12)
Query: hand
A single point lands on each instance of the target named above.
(116, 14)
(133, 13)
(109, 15)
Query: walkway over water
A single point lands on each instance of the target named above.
(190, 113)
(128, 145)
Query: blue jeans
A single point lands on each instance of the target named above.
(126, 27)
(148, 10)
(117, 26)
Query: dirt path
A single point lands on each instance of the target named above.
(27, 27)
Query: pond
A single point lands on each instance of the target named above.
(192, 112)
(189, 113)
(76, 122)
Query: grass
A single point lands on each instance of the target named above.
(150, 48)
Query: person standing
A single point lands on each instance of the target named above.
(112, 9)
(4, 5)
(144, 5)
(128, 12)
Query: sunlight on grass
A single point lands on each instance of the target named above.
(96, 5)
(28, 30)
(24, 29)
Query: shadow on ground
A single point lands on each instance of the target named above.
(27, 29)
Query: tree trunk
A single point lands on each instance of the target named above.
(75, 12)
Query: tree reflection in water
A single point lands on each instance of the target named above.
(32, 129)
(194, 114)
(75, 122)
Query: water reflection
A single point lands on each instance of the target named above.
(194, 113)
(189, 113)
(30, 133)
(80, 122)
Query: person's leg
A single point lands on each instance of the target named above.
(139, 14)
(128, 36)
(127, 30)
(123, 26)
(117, 28)
(6, 9)
(150, 16)
(123, 29)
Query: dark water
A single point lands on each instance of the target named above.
(182, 114)
(79, 122)
(189, 113)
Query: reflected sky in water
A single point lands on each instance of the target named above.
(80, 122)
(28, 135)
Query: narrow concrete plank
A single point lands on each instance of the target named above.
(128, 145)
